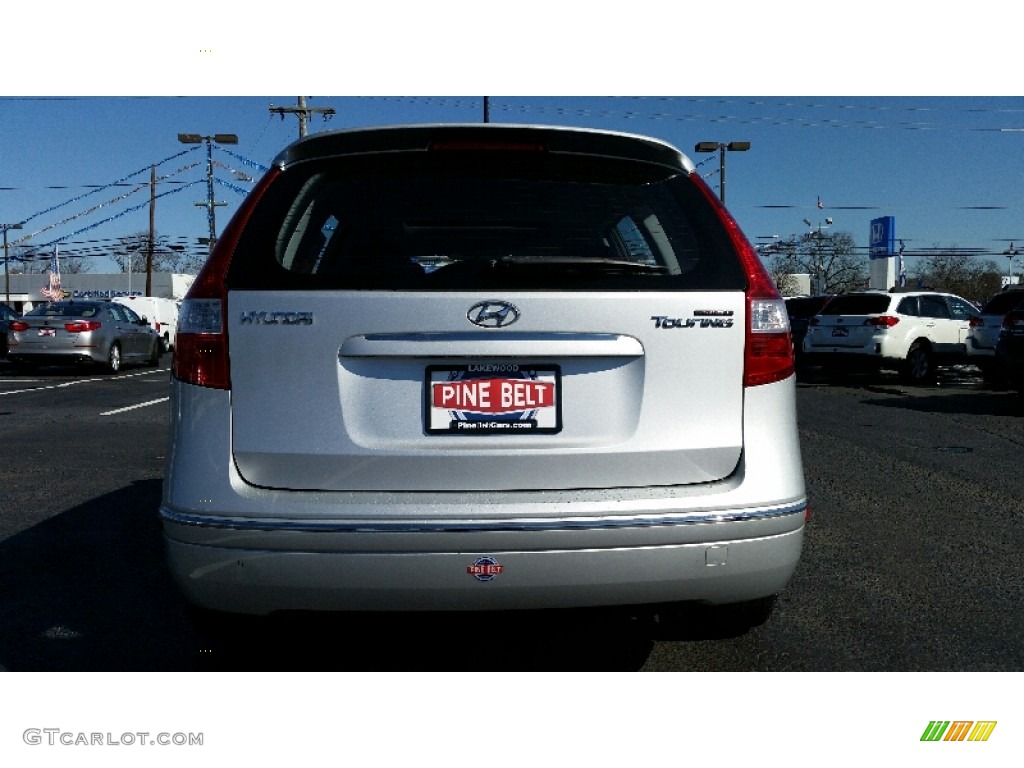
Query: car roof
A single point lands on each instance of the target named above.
(420, 138)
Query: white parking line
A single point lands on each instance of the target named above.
(79, 381)
(133, 407)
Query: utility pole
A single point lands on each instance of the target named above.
(152, 231)
(303, 113)
(209, 204)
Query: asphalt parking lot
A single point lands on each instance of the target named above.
(911, 562)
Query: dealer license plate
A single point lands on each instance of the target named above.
(493, 398)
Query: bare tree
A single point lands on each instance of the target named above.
(828, 257)
(132, 250)
(74, 265)
(25, 260)
(783, 273)
(958, 273)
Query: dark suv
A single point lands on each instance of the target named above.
(800, 310)
(985, 329)
(1010, 348)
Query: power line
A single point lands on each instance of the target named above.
(811, 121)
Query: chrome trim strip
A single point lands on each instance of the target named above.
(703, 518)
(491, 342)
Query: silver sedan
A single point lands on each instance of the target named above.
(96, 332)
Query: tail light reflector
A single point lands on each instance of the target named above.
(81, 326)
(882, 321)
(1011, 320)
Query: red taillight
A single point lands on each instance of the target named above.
(201, 346)
(976, 322)
(768, 355)
(81, 326)
(18, 325)
(882, 321)
(156, 327)
(1010, 320)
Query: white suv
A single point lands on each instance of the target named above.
(912, 332)
(483, 367)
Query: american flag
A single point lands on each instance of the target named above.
(53, 291)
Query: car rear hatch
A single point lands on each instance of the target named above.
(500, 310)
(55, 328)
(849, 321)
(990, 321)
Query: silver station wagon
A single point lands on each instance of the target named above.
(473, 367)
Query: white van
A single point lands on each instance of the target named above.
(162, 315)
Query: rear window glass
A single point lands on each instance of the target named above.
(803, 308)
(64, 309)
(442, 223)
(857, 304)
(1002, 303)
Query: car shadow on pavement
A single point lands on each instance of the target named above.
(611, 639)
(86, 590)
(978, 403)
(429, 642)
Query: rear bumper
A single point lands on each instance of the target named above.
(235, 547)
(333, 570)
(19, 354)
(980, 348)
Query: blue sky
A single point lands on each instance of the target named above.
(889, 130)
(949, 169)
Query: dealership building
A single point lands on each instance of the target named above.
(22, 292)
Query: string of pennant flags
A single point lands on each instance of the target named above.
(98, 189)
(53, 288)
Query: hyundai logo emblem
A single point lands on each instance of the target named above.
(492, 314)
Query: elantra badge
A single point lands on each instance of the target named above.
(492, 314)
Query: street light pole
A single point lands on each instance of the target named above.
(210, 205)
(7, 274)
(1011, 252)
(711, 146)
